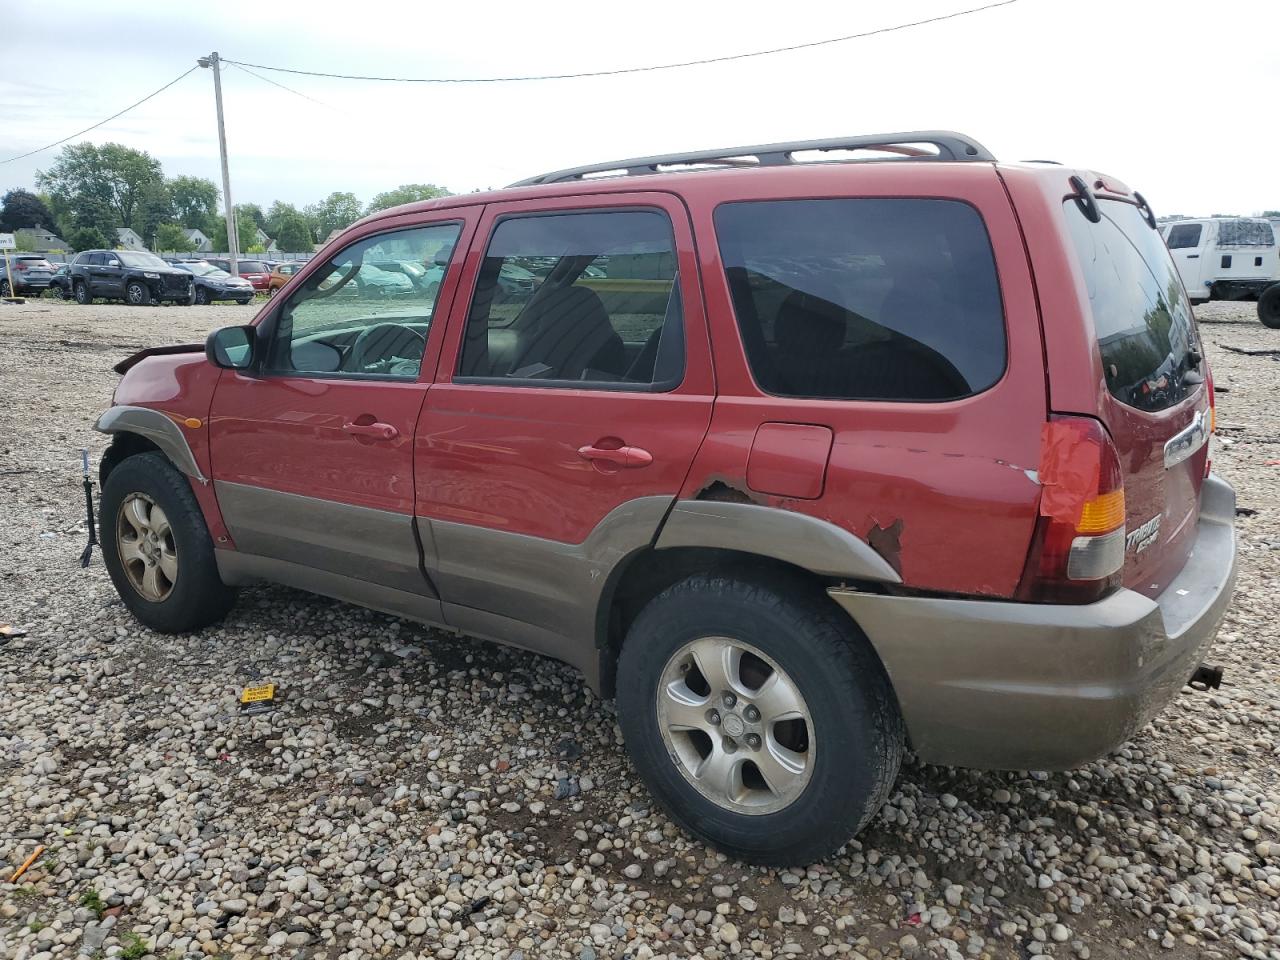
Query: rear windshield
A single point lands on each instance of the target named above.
(252, 266)
(864, 299)
(1245, 233)
(1141, 317)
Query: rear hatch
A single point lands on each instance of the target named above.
(1156, 404)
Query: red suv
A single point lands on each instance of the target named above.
(804, 462)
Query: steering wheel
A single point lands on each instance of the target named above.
(382, 341)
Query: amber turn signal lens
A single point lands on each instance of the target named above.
(1103, 513)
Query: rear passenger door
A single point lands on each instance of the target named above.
(575, 388)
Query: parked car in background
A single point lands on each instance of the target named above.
(133, 276)
(257, 272)
(280, 275)
(31, 274)
(1224, 258)
(212, 284)
(60, 282)
(827, 459)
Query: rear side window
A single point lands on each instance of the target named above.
(1245, 233)
(1184, 235)
(864, 299)
(578, 299)
(1141, 317)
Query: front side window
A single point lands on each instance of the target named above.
(1141, 317)
(864, 299)
(1183, 235)
(575, 299)
(367, 310)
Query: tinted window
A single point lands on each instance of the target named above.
(1245, 233)
(864, 299)
(252, 266)
(1141, 317)
(1184, 235)
(578, 298)
(351, 318)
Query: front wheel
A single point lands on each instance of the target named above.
(137, 293)
(1269, 306)
(58, 293)
(758, 716)
(202, 296)
(157, 549)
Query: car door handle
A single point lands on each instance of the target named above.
(1193, 256)
(378, 431)
(620, 456)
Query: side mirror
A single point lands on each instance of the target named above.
(231, 348)
(113, 263)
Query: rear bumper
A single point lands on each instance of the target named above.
(1048, 687)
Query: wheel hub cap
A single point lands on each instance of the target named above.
(146, 547)
(735, 725)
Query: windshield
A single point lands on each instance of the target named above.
(205, 270)
(1141, 317)
(144, 261)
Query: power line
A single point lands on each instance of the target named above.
(625, 70)
(58, 143)
(296, 93)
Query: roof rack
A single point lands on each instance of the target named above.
(950, 146)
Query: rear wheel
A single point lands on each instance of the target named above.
(137, 293)
(1269, 306)
(4, 288)
(82, 292)
(157, 548)
(758, 716)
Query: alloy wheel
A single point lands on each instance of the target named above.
(146, 546)
(736, 725)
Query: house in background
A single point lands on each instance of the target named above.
(126, 239)
(267, 244)
(332, 233)
(39, 240)
(202, 243)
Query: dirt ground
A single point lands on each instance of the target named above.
(407, 796)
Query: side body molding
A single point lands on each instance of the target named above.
(157, 428)
(795, 538)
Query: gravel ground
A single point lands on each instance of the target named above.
(416, 795)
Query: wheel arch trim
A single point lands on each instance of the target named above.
(156, 427)
(795, 538)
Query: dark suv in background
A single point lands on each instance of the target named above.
(134, 276)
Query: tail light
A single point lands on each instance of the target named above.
(1213, 415)
(1077, 552)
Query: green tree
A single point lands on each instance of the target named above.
(87, 238)
(245, 230)
(195, 202)
(113, 173)
(21, 208)
(251, 212)
(406, 193)
(155, 208)
(334, 212)
(291, 232)
(170, 238)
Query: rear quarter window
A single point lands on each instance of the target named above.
(1141, 317)
(864, 299)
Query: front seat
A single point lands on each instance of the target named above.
(566, 333)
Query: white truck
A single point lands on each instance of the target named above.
(1224, 258)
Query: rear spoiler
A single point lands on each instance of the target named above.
(128, 363)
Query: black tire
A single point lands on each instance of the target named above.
(202, 296)
(1269, 307)
(857, 729)
(198, 596)
(4, 288)
(245, 302)
(137, 293)
(82, 293)
(58, 292)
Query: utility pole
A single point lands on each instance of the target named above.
(233, 235)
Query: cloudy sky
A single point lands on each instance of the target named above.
(1178, 98)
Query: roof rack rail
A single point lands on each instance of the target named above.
(950, 146)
